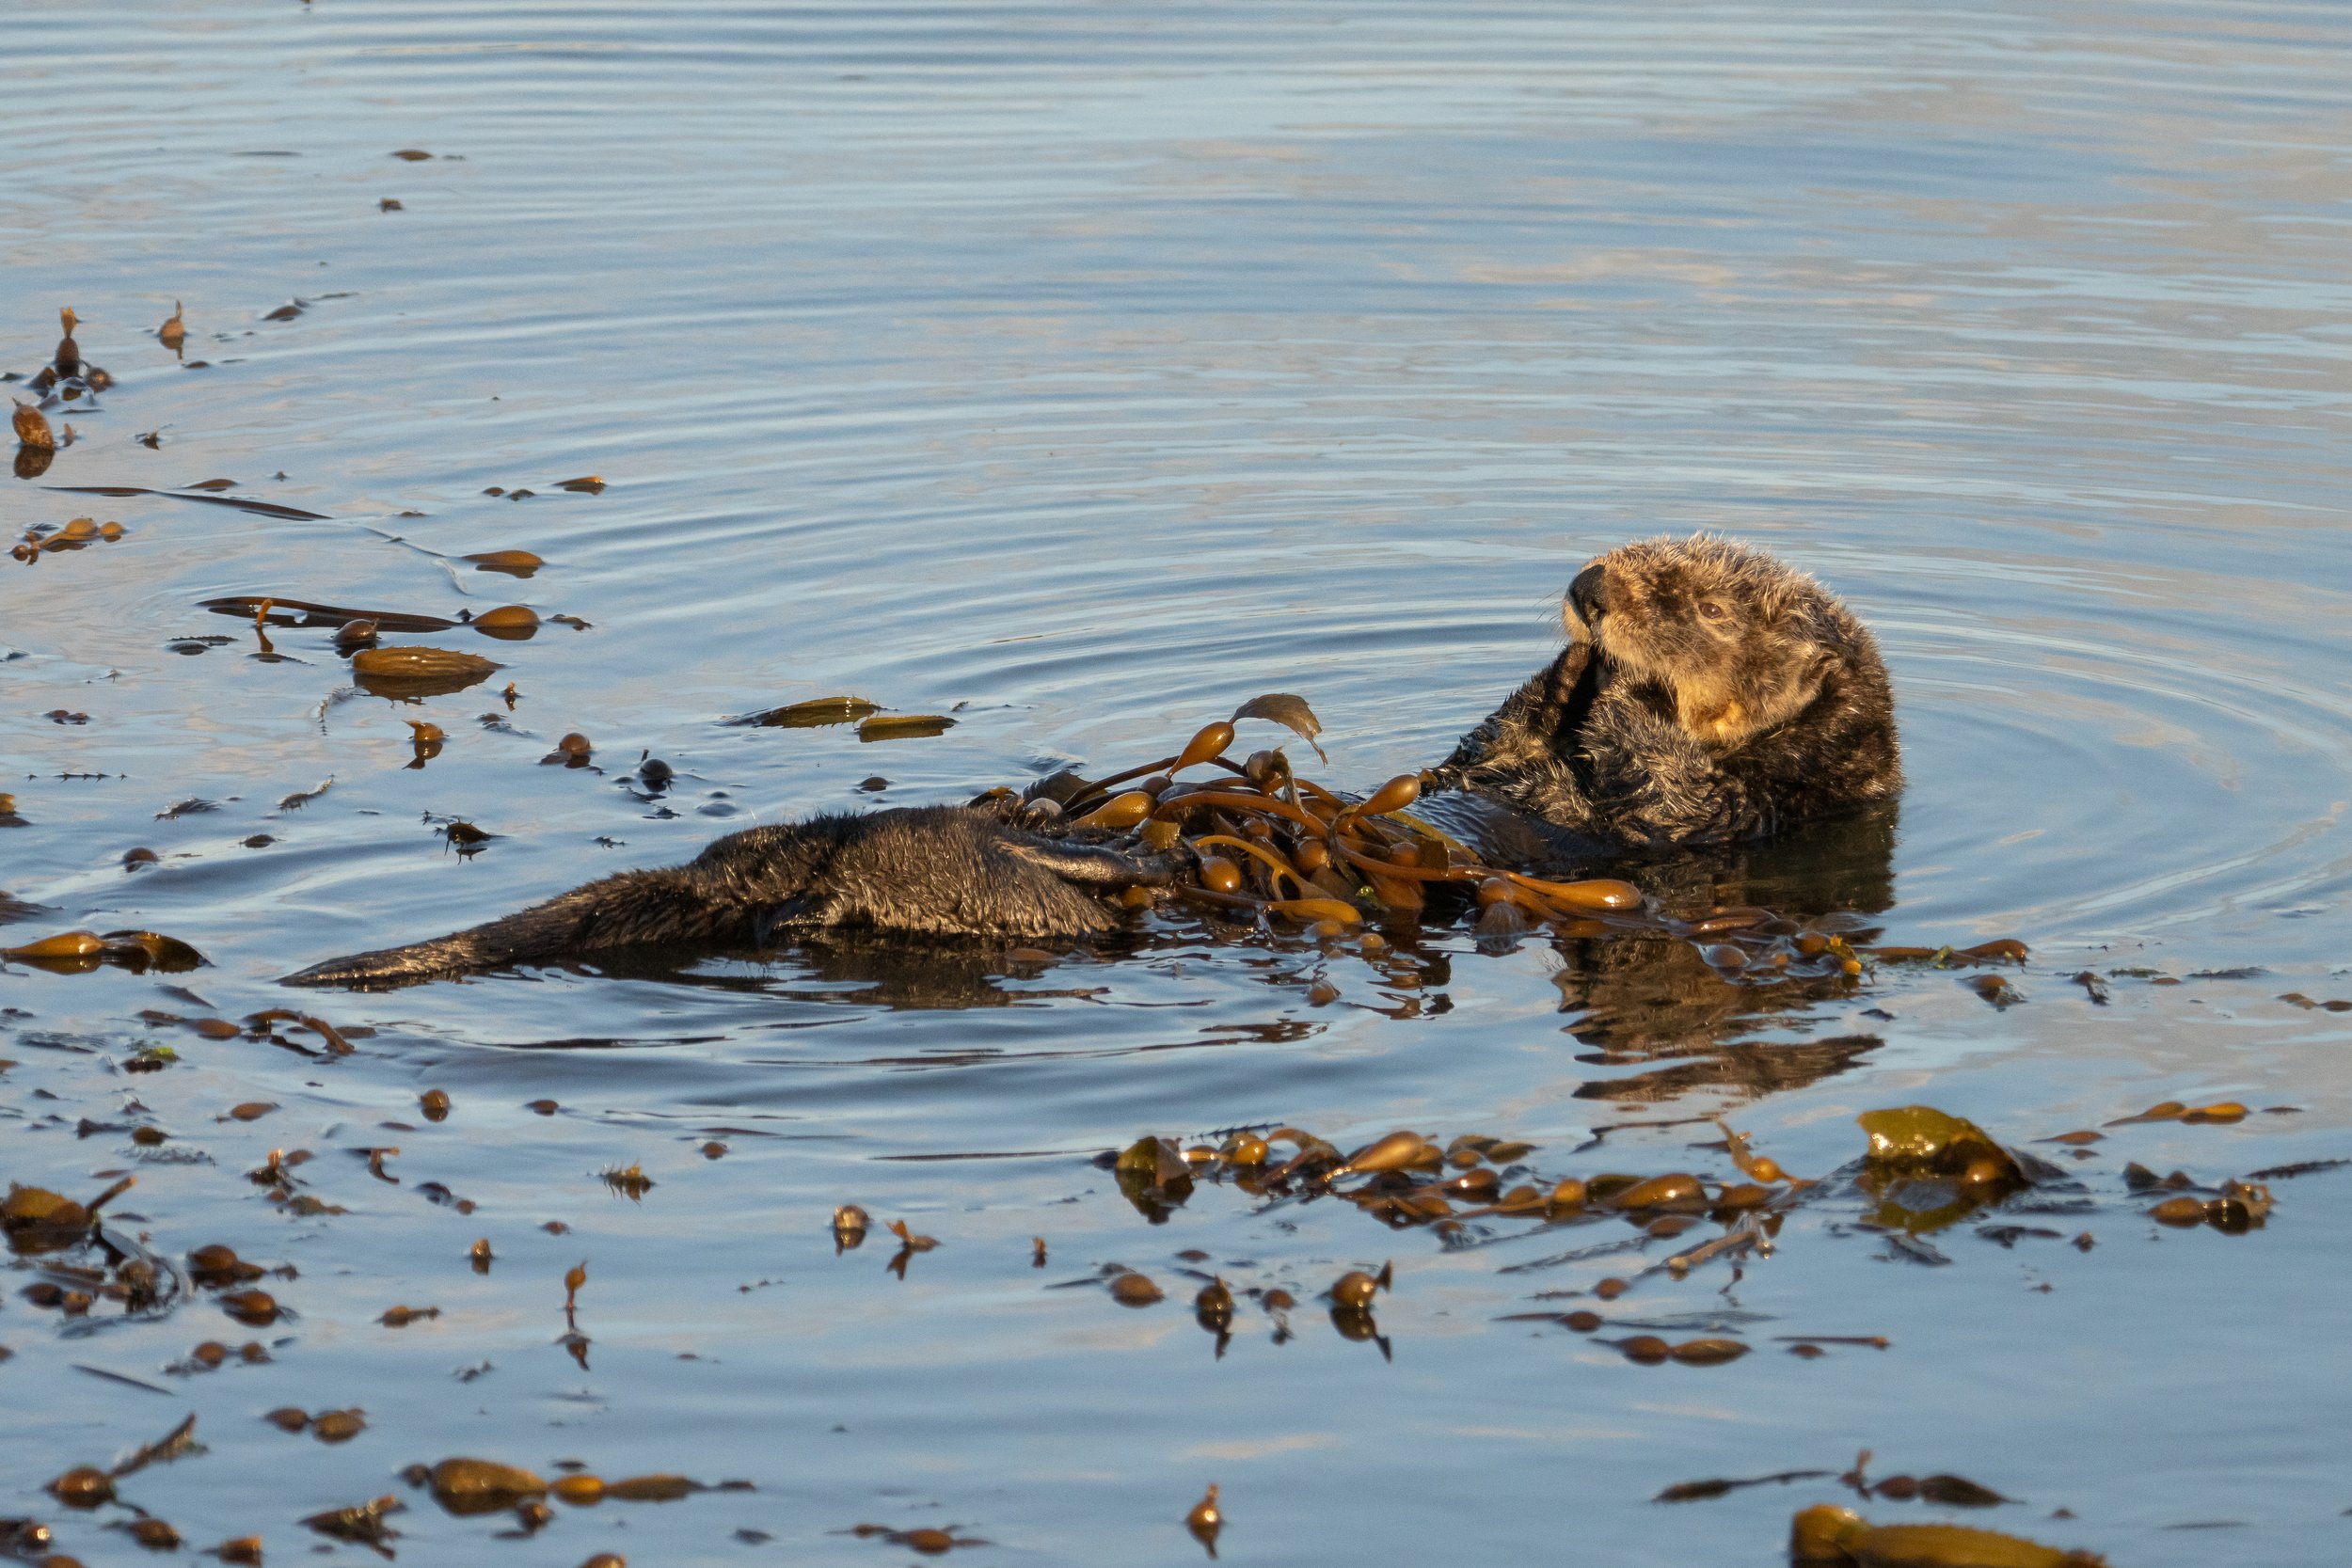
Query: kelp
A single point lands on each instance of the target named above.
(1259, 840)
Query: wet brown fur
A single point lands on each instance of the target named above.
(930, 871)
(1709, 693)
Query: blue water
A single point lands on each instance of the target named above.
(1084, 372)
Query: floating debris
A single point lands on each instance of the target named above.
(37, 1220)
(84, 1486)
(419, 671)
(2005, 950)
(1697, 1491)
(653, 1489)
(2240, 1207)
(363, 1523)
(903, 726)
(473, 1486)
(241, 503)
(514, 563)
(2172, 1110)
(31, 428)
(909, 1245)
(1135, 1290)
(511, 622)
(1206, 1520)
(466, 838)
(1356, 1289)
(929, 1542)
(1826, 1534)
(630, 1182)
(279, 610)
(574, 751)
(303, 798)
(338, 1426)
(814, 712)
(254, 1309)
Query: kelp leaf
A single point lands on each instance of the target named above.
(814, 712)
(903, 726)
(1281, 708)
(1915, 1138)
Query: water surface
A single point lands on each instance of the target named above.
(1082, 371)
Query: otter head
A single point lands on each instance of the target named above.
(1737, 641)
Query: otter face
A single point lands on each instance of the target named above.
(1738, 641)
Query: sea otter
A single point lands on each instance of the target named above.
(1707, 693)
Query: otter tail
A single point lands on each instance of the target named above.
(635, 907)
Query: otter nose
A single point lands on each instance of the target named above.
(1589, 593)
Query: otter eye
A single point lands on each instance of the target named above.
(1713, 610)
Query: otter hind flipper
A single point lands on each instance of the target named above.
(1092, 865)
(386, 967)
(912, 870)
(628, 910)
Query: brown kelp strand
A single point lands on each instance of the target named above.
(1920, 1171)
(418, 670)
(1826, 1535)
(1253, 841)
(903, 726)
(1407, 1178)
(79, 952)
(812, 713)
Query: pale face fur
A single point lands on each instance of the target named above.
(1739, 641)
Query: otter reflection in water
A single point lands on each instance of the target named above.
(1659, 1022)
(1709, 695)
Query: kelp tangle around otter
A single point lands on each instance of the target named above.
(1246, 840)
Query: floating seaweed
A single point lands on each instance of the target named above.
(79, 952)
(274, 609)
(1929, 1169)
(1205, 1521)
(1825, 1535)
(241, 504)
(812, 713)
(37, 1220)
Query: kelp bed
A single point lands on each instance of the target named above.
(1592, 1240)
(1262, 845)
